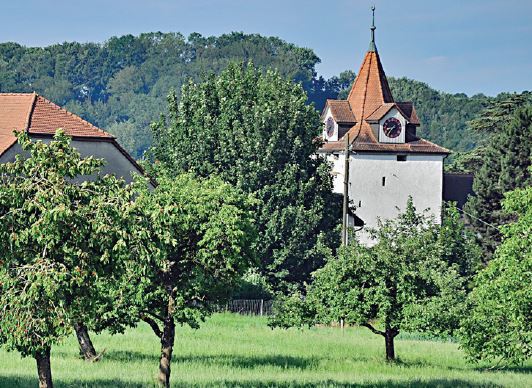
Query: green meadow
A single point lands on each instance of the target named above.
(240, 351)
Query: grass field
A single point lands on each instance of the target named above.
(232, 350)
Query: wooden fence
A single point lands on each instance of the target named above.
(250, 306)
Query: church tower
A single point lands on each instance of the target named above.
(387, 161)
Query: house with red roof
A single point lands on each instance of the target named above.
(377, 157)
(40, 118)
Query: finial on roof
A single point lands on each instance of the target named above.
(372, 46)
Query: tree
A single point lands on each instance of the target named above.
(505, 168)
(255, 131)
(56, 239)
(401, 283)
(459, 246)
(191, 239)
(499, 325)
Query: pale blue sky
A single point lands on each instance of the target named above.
(466, 46)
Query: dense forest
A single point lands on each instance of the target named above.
(122, 84)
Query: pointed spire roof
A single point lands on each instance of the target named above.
(370, 89)
(369, 100)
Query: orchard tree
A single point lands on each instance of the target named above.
(193, 241)
(499, 324)
(255, 130)
(401, 283)
(56, 239)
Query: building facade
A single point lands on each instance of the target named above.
(40, 118)
(387, 161)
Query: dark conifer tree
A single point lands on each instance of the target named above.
(505, 168)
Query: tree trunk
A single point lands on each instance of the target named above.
(43, 369)
(167, 346)
(86, 348)
(390, 350)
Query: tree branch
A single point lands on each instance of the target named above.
(375, 331)
(154, 326)
(152, 314)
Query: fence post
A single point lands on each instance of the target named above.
(261, 306)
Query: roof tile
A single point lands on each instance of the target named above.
(341, 111)
(37, 115)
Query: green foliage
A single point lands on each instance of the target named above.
(193, 241)
(57, 238)
(499, 325)
(458, 243)
(126, 79)
(403, 282)
(253, 285)
(504, 168)
(256, 132)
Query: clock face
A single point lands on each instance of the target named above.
(392, 127)
(329, 126)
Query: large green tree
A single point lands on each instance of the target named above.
(499, 324)
(255, 130)
(504, 168)
(403, 282)
(191, 241)
(56, 239)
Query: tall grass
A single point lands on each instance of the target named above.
(232, 350)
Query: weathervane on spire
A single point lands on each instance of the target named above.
(372, 46)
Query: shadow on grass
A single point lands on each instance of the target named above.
(229, 360)
(282, 361)
(445, 383)
(526, 370)
(27, 382)
(23, 382)
(485, 369)
(251, 362)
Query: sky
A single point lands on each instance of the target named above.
(457, 46)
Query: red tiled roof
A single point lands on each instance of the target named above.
(405, 108)
(341, 111)
(37, 115)
(15, 110)
(416, 146)
(379, 113)
(370, 89)
(409, 111)
(370, 99)
(47, 117)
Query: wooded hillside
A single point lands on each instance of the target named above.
(122, 84)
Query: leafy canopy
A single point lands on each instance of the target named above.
(56, 238)
(402, 282)
(499, 325)
(191, 239)
(255, 130)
